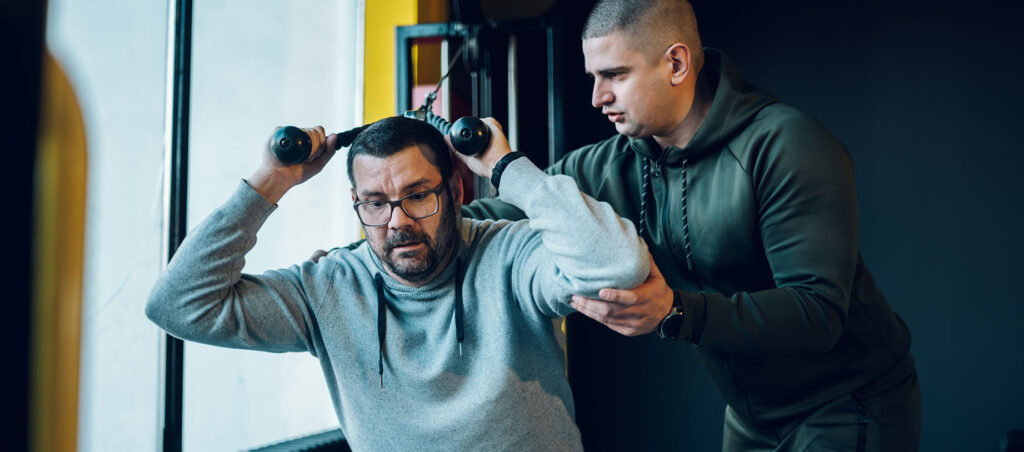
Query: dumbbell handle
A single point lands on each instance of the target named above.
(469, 135)
(292, 145)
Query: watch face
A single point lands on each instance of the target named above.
(671, 326)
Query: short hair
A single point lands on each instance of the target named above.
(390, 135)
(647, 23)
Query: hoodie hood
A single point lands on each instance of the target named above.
(733, 106)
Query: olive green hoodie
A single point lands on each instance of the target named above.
(754, 225)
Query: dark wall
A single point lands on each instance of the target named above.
(926, 97)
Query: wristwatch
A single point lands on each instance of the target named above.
(500, 167)
(672, 324)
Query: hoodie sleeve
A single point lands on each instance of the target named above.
(807, 210)
(493, 208)
(203, 296)
(583, 245)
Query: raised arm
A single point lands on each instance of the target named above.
(203, 296)
(577, 244)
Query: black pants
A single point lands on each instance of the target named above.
(889, 422)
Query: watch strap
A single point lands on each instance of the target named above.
(500, 167)
(676, 311)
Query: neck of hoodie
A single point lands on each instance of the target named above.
(733, 104)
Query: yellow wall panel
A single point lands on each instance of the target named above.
(379, 58)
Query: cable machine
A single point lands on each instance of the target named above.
(496, 77)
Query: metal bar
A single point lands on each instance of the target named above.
(403, 70)
(438, 30)
(403, 59)
(513, 93)
(556, 139)
(480, 78)
(175, 206)
(446, 93)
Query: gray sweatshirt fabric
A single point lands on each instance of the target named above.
(507, 390)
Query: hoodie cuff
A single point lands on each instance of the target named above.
(519, 179)
(249, 207)
(694, 305)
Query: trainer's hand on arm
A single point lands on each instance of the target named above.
(630, 312)
(483, 163)
(273, 178)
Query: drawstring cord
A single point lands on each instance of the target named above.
(382, 319)
(460, 332)
(646, 187)
(381, 325)
(686, 224)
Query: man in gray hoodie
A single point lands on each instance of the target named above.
(435, 333)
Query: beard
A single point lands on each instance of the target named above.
(419, 264)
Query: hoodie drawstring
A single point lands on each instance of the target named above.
(646, 187)
(686, 223)
(460, 332)
(382, 319)
(382, 324)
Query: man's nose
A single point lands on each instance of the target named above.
(601, 96)
(399, 220)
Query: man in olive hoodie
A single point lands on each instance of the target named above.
(750, 212)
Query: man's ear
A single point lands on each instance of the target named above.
(353, 190)
(455, 185)
(678, 57)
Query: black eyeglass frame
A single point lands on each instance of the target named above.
(398, 202)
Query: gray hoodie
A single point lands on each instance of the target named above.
(416, 368)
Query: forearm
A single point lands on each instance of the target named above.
(781, 320)
(592, 246)
(269, 184)
(496, 209)
(492, 209)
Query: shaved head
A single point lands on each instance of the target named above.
(650, 26)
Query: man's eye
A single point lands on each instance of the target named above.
(418, 197)
(377, 204)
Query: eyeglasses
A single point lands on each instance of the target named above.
(416, 206)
